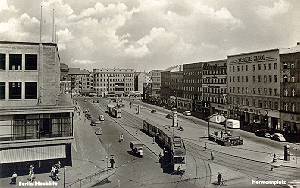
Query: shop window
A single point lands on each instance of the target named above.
(30, 61)
(15, 61)
(2, 61)
(2, 90)
(15, 89)
(31, 90)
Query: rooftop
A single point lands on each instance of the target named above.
(78, 71)
(27, 43)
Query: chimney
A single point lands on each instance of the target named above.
(298, 43)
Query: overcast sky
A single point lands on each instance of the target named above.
(153, 34)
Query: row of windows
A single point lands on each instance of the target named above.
(289, 107)
(192, 73)
(15, 61)
(15, 90)
(258, 91)
(219, 100)
(255, 103)
(266, 78)
(214, 90)
(113, 75)
(215, 72)
(265, 66)
(214, 80)
(198, 89)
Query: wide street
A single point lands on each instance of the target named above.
(239, 165)
(131, 171)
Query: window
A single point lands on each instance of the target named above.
(285, 65)
(265, 91)
(269, 66)
(270, 78)
(232, 68)
(276, 105)
(15, 90)
(233, 79)
(293, 107)
(293, 92)
(2, 61)
(265, 79)
(259, 91)
(275, 92)
(246, 78)
(253, 78)
(285, 92)
(246, 67)
(265, 66)
(259, 104)
(238, 68)
(15, 62)
(285, 78)
(259, 66)
(270, 91)
(238, 78)
(275, 78)
(30, 90)
(259, 78)
(2, 90)
(275, 66)
(253, 67)
(253, 102)
(30, 62)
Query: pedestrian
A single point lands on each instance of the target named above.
(112, 162)
(219, 178)
(221, 134)
(205, 147)
(274, 158)
(212, 156)
(14, 178)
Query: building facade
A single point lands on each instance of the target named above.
(155, 76)
(65, 80)
(192, 87)
(254, 88)
(140, 79)
(36, 125)
(114, 82)
(214, 86)
(81, 81)
(290, 92)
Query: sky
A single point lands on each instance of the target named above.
(152, 34)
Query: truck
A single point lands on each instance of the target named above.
(233, 124)
(225, 139)
(137, 148)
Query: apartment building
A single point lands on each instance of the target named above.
(192, 87)
(140, 79)
(65, 80)
(156, 82)
(81, 81)
(114, 82)
(214, 86)
(290, 92)
(254, 88)
(36, 123)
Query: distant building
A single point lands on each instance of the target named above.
(156, 82)
(65, 80)
(214, 87)
(81, 81)
(290, 92)
(36, 124)
(113, 82)
(140, 78)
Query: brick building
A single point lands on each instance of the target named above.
(36, 125)
(113, 81)
(81, 81)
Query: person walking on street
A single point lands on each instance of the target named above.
(31, 173)
(219, 178)
(14, 178)
(212, 156)
(112, 162)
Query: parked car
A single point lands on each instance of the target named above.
(187, 113)
(98, 131)
(169, 116)
(153, 111)
(174, 109)
(261, 132)
(278, 137)
(93, 123)
(101, 117)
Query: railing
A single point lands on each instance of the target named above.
(91, 179)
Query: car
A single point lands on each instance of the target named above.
(261, 132)
(187, 113)
(278, 137)
(85, 100)
(169, 116)
(153, 111)
(174, 109)
(98, 131)
(101, 117)
(93, 123)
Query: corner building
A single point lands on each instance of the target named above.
(254, 88)
(36, 123)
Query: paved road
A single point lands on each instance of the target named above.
(131, 170)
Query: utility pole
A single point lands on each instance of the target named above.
(64, 177)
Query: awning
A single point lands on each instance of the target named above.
(32, 154)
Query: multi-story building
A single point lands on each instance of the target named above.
(254, 88)
(156, 82)
(171, 85)
(140, 79)
(81, 81)
(192, 91)
(36, 126)
(65, 80)
(113, 81)
(290, 92)
(214, 86)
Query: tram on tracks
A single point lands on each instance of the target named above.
(114, 110)
(174, 148)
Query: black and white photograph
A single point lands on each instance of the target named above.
(150, 93)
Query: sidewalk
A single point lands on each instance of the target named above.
(82, 165)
